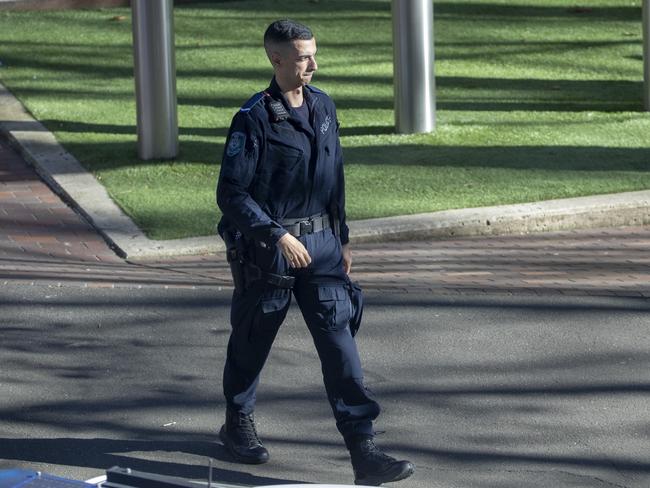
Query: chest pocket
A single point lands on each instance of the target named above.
(282, 173)
(282, 158)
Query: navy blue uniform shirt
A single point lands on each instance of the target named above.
(277, 166)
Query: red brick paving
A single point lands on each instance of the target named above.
(36, 226)
(610, 261)
(43, 241)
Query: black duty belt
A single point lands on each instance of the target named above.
(307, 225)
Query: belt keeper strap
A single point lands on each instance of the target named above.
(281, 281)
(254, 273)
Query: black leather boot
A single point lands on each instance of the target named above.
(239, 436)
(372, 467)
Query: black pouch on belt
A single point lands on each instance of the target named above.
(235, 256)
(356, 302)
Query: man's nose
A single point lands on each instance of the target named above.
(312, 64)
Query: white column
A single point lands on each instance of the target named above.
(155, 78)
(646, 55)
(413, 66)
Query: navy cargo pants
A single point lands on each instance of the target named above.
(321, 294)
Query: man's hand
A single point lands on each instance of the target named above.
(347, 258)
(294, 251)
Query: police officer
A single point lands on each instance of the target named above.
(281, 192)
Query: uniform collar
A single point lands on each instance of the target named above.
(275, 92)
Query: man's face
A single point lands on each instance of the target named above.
(296, 63)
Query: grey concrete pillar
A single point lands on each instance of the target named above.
(413, 71)
(646, 55)
(155, 78)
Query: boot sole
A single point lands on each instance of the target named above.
(397, 472)
(238, 457)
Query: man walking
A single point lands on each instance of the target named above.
(281, 191)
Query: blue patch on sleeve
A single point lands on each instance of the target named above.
(236, 144)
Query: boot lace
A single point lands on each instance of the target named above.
(247, 430)
(372, 453)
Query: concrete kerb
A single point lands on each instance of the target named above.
(65, 175)
(611, 210)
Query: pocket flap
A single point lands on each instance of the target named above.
(331, 293)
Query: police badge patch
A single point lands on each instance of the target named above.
(237, 140)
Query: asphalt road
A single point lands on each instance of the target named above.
(491, 391)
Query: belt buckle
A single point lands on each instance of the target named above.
(306, 227)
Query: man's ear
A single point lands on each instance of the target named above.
(275, 58)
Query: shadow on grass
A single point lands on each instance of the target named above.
(530, 12)
(110, 155)
(454, 93)
(565, 158)
(81, 127)
(444, 7)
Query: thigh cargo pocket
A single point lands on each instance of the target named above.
(334, 307)
(269, 315)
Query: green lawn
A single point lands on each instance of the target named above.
(537, 99)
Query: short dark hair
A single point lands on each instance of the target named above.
(286, 30)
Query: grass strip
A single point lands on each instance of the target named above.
(536, 100)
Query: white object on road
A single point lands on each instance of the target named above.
(97, 480)
(316, 486)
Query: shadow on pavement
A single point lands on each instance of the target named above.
(104, 453)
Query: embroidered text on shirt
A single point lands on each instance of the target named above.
(325, 125)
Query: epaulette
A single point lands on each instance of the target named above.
(252, 101)
(316, 90)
